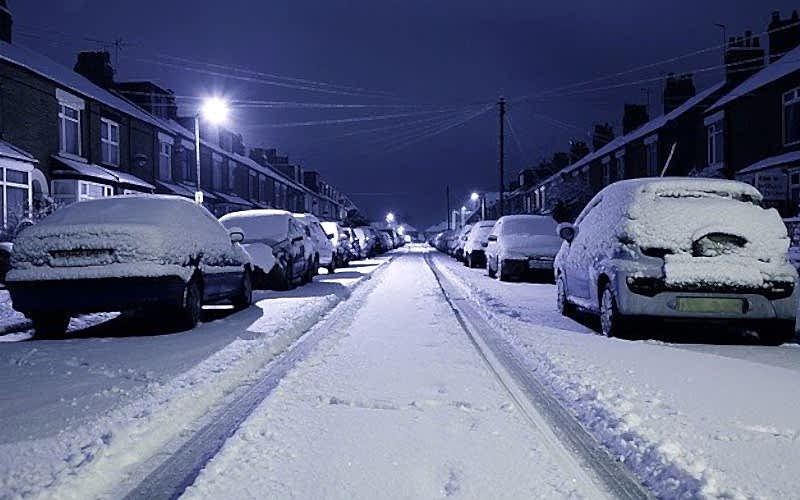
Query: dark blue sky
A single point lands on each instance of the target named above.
(425, 52)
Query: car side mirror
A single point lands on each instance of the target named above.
(236, 234)
(492, 237)
(330, 236)
(567, 231)
(297, 239)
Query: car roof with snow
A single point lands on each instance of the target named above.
(666, 185)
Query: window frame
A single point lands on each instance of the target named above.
(62, 133)
(165, 149)
(793, 101)
(715, 132)
(107, 125)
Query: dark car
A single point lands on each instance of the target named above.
(159, 253)
(276, 244)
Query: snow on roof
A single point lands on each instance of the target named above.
(86, 169)
(773, 161)
(784, 66)
(10, 151)
(232, 198)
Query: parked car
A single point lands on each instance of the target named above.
(384, 242)
(322, 244)
(685, 250)
(458, 253)
(355, 244)
(124, 253)
(521, 246)
(276, 244)
(342, 252)
(477, 241)
(367, 238)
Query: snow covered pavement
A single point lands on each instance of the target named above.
(397, 405)
(714, 421)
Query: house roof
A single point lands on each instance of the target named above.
(102, 173)
(773, 161)
(784, 66)
(648, 128)
(10, 151)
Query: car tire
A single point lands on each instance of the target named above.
(308, 277)
(777, 332)
(612, 322)
(331, 268)
(50, 326)
(244, 298)
(489, 270)
(562, 302)
(191, 308)
(502, 275)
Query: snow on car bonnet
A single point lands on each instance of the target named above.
(131, 230)
(708, 231)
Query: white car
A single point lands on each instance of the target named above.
(276, 244)
(477, 241)
(322, 243)
(520, 246)
(165, 254)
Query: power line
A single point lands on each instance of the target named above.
(340, 121)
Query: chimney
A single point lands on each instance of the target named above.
(602, 135)
(5, 22)
(784, 35)
(635, 116)
(744, 57)
(96, 67)
(678, 90)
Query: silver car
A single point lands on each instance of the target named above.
(679, 249)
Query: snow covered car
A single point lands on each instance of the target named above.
(355, 245)
(679, 249)
(342, 251)
(520, 246)
(276, 243)
(367, 240)
(322, 244)
(477, 241)
(151, 252)
(458, 252)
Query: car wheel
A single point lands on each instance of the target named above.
(489, 269)
(612, 322)
(245, 296)
(191, 308)
(501, 273)
(331, 268)
(50, 326)
(309, 276)
(564, 307)
(468, 261)
(777, 332)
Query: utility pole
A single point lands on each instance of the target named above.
(501, 104)
(448, 207)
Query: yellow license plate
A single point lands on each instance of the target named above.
(710, 305)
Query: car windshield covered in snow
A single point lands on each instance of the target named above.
(529, 225)
(266, 226)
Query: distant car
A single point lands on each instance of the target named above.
(522, 246)
(384, 242)
(322, 243)
(477, 241)
(161, 253)
(342, 251)
(355, 244)
(276, 243)
(367, 238)
(684, 250)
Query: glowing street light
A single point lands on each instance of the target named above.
(390, 217)
(401, 230)
(214, 110)
(475, 197)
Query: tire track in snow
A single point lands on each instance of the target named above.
(534, 400)
(178, 471)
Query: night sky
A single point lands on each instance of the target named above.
(418, 56)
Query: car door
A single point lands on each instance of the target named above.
(581, 254)
(297, 251)
(493, 247)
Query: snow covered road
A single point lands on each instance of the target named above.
(397, 405)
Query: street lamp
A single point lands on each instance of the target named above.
(390, 217)
(214, 110)
(476, 198)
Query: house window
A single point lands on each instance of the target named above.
(620, 168)
(791, 117)
(651, 151)
(253, 185)
(716, 155)
(262, 188)
(606, 171)
(69, 122)
(186, 163)
(109, 142)
(164, 161)
(15, 198)
(231, 177)
(66, 191)
(794, 188)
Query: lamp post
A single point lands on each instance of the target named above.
(214, 110)
(476, 197)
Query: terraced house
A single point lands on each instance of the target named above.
(69, 135)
